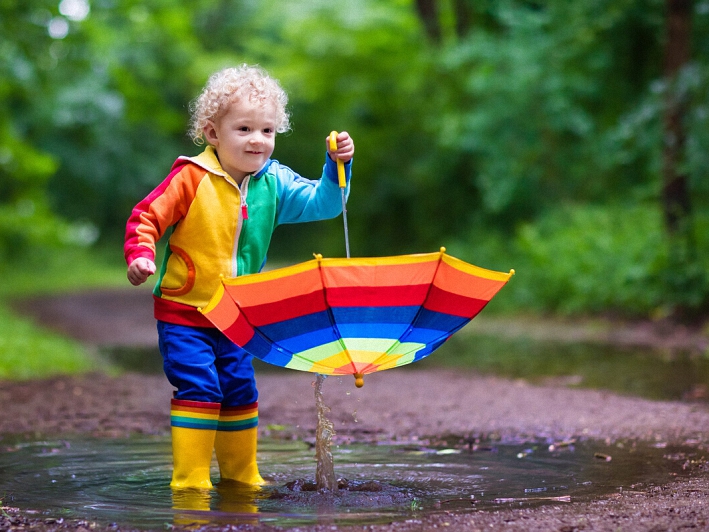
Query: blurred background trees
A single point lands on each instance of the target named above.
(568, 140)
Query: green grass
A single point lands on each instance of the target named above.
(62, 270)
(27, 350)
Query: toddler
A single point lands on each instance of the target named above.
(220, 209)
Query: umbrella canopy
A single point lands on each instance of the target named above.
(352, 316)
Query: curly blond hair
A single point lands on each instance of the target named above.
(230, 84)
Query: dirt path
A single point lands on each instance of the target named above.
(414, 403)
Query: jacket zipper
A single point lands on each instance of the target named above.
(243, 215)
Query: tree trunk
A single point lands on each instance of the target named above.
(675, 190)
(687, 279)
(428, 13)
(463, 17)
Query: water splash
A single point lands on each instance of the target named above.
(325, 478)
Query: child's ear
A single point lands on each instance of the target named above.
(210, 133)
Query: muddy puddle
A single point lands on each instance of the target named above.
(126, 481)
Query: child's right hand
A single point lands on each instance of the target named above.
(139, 270)
(345, 147)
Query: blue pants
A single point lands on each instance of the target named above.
(204, 365)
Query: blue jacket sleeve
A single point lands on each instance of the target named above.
(306, 200)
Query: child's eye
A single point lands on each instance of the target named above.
(268, 130)
(243, 128)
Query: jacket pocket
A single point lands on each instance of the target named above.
(179, 254)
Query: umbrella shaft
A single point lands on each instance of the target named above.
(344, 218)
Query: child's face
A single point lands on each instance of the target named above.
(244, 137)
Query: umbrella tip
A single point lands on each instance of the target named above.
(443, 250)
(512, 272)
(359, 380)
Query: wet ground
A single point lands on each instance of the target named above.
(420, 405)
(124, 480)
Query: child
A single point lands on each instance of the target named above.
(220, 209)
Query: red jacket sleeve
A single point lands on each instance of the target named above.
(167, 204)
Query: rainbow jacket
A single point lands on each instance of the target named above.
(218, 228)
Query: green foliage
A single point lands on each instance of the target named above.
(27, 351)
(25, 217)
(514, 109)
(528, 101)
(586, 259)
(695, 85)
(684, 276)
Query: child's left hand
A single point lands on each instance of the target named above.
(345, 147)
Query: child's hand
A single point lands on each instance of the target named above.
(139, 270)
(345, 147)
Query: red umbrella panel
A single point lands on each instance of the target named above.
(352, 316)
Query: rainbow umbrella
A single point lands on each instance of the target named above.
(352, 316)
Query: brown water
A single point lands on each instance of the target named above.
(125, 481)
(325, 478)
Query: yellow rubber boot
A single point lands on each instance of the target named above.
(194, 425)
(237, 498)
(235, 444)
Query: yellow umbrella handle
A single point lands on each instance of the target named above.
(342, 181)
(340, 165)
